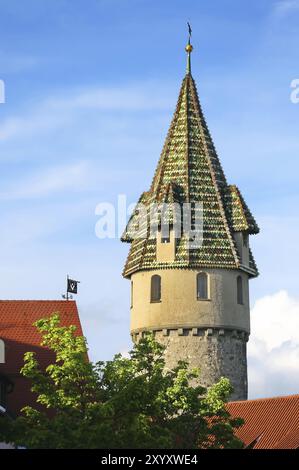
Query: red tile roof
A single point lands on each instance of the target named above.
(270, 423)
(19, 335)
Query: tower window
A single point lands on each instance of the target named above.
(202, 286)
(2, 352)
(156, 288)
(165, 234)
(245, 240)
(240, 298)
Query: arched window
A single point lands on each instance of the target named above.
(2, 352)
(202, 286)
(240, 290)
(155, 288)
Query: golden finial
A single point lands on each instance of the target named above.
(189, 49)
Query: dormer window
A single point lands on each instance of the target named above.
(202, 285)
(165, 246)
(245, 240)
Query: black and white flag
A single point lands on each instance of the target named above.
(72, 286)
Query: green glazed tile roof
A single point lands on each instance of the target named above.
(238, 213)
(189, 171)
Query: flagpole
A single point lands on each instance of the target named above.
(67, 290)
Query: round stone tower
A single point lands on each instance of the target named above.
(195, 298)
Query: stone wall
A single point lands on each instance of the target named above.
(216, 352)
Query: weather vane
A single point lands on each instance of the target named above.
(189, 49)
(190, 30)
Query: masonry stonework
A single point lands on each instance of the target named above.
(217, 353)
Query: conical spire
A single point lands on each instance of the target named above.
(189, 166)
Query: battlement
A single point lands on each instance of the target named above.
(201, 332)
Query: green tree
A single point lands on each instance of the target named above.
(124, 403)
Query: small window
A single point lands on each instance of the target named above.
(202, 286)
(156, 288)
(240, 290)
(2, 352)
(165, 235)
(245, 240)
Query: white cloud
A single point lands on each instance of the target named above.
(57, 111)
(275, 320)
(38, 121)
(134, 97)
(27, 226)
(284, 7)
(273, 350)
(52, 180)
(16, 64)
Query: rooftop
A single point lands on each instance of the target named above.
(20, 336)
(270, 423)
(190, 171)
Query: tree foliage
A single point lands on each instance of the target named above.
(124, 403)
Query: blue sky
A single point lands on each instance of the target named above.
(90, 90)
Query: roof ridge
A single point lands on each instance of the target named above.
(36, 300)
(163, 156)
(219, 198)
(264, 399)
